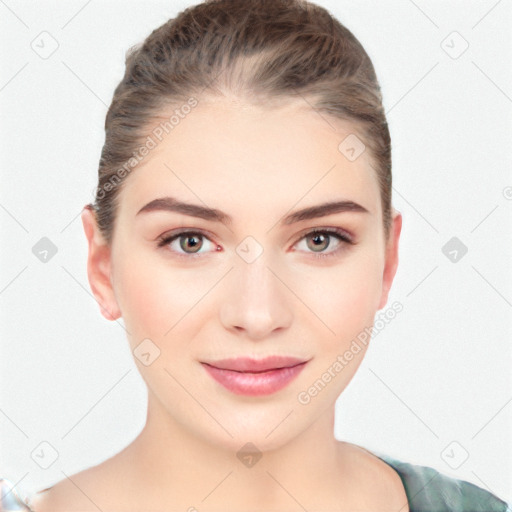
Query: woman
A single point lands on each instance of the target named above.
(243, 229)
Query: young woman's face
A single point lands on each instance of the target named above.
(259, 285)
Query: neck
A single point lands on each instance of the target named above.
(178, 467)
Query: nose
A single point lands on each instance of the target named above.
(256, 301)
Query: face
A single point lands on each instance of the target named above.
(252, 281)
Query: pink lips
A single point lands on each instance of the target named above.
(245, 376)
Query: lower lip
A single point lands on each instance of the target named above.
(255, 384)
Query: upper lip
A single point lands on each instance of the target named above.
(247, 364)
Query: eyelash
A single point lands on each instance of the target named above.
(340, 234)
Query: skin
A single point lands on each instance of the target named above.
(285, 302)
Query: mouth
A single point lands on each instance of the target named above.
(251, 377)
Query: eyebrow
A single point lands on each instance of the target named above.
(171, 204)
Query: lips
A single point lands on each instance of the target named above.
(246, 364)
(253, 377)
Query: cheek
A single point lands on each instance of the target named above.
(345, 297)
(153, 297)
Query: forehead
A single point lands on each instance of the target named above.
(254, 159)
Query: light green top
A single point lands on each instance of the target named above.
(429, 490)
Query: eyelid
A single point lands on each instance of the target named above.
(186, 231)
(327, 229)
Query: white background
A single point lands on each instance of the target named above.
(438, 373)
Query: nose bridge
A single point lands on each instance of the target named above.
(256, 301)
(254, 276)
(256, 284)
(251, 267)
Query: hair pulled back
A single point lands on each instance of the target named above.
(262, 51)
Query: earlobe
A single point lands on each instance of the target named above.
(391, 263)
(98, 266)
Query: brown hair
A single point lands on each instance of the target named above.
(261, 50)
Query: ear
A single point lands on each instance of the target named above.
(391, 263)
(99, 266)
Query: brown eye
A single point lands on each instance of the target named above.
(190, 242)
(319, 241)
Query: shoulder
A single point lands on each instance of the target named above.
(377, 481)
(105, 486)
(429, 489)
(89, 490)
(69, 494)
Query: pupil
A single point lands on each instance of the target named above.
(318, 238)
(190, 245)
